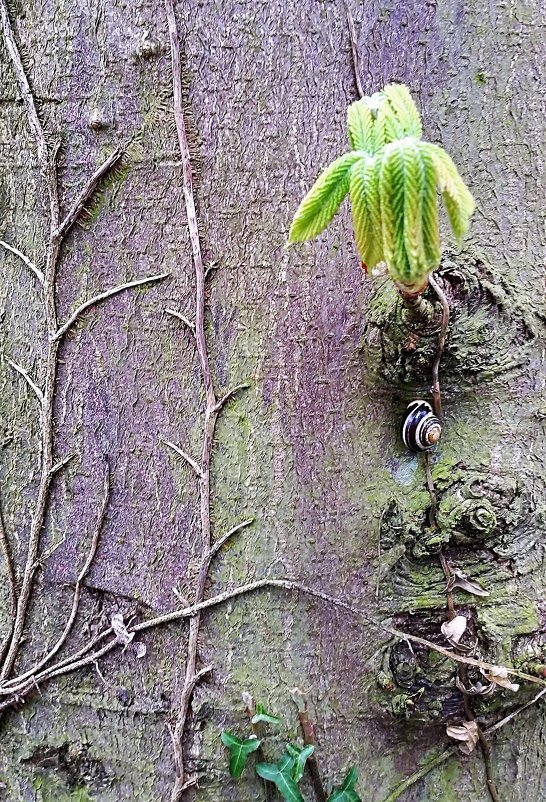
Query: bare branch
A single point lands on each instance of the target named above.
(218, 406)
(11, 581)
(83, 657)
(183, 318)
(59, 334)
(77, 589)
(354, 49)
(33, 386)
(24, 87)
(86, 194)
(31, 266)
(436, 395)
(220, 542)
(60, 465)
(190, 460)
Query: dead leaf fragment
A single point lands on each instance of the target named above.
(140, 650)
(466, 733)
(458, 579)
(120, 630)
(499, 675)
(453, 630)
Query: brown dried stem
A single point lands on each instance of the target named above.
(58, 230)
(354, 49)
(77, 588)
(11, 583)
(213, 407)
(436, 395)
(308, 729)
(84, 656)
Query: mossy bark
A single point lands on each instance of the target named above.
(312, 450)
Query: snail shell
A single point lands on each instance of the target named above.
(421, 428)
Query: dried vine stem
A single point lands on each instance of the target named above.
(437, 399)
(85, 656)
(213, 407)
(58, 230)
(354, 49)
(436, 395)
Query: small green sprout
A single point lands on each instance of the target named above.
(392, 177)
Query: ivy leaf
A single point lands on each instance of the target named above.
(281, 775)
(300, 755)
(261, 714)
(323, 199)
(347, 791)
(238, 751)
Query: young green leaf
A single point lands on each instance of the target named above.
(323, 199)
(300, 755)
(281, 775)
(261, 714)
(347, 791)
(366, 210)
(457, 198)
(239, 751)
(405, 110)
(360, 123)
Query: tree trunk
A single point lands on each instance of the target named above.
(311, 451)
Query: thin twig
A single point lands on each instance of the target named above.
(220, 542)
(78, 587)
(11, 582)
(33, 386)
(308, 729)
(61, 464)
(230, 393)
(24, 87)
(190, 460)
(420, 774)
(484, 743)
(61, 331)
(211, 413)
(31, 266)
(354, 49)
(436, 395)
(87, 192)
(183, 318)
(434, 525)
(256, 731)
(83, 657)
(48, 163)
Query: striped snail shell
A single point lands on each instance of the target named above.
(421, 428)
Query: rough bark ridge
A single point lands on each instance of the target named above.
(311, 452)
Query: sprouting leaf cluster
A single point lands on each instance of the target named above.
(287, 773)
(392, 177)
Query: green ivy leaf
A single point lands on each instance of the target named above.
(281, 775)
(239, 751)
(347, 791)
(300, 755)
(323, 199)
(261, 714)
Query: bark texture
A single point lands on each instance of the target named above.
(311, 451)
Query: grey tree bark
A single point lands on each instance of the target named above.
(311, 452)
